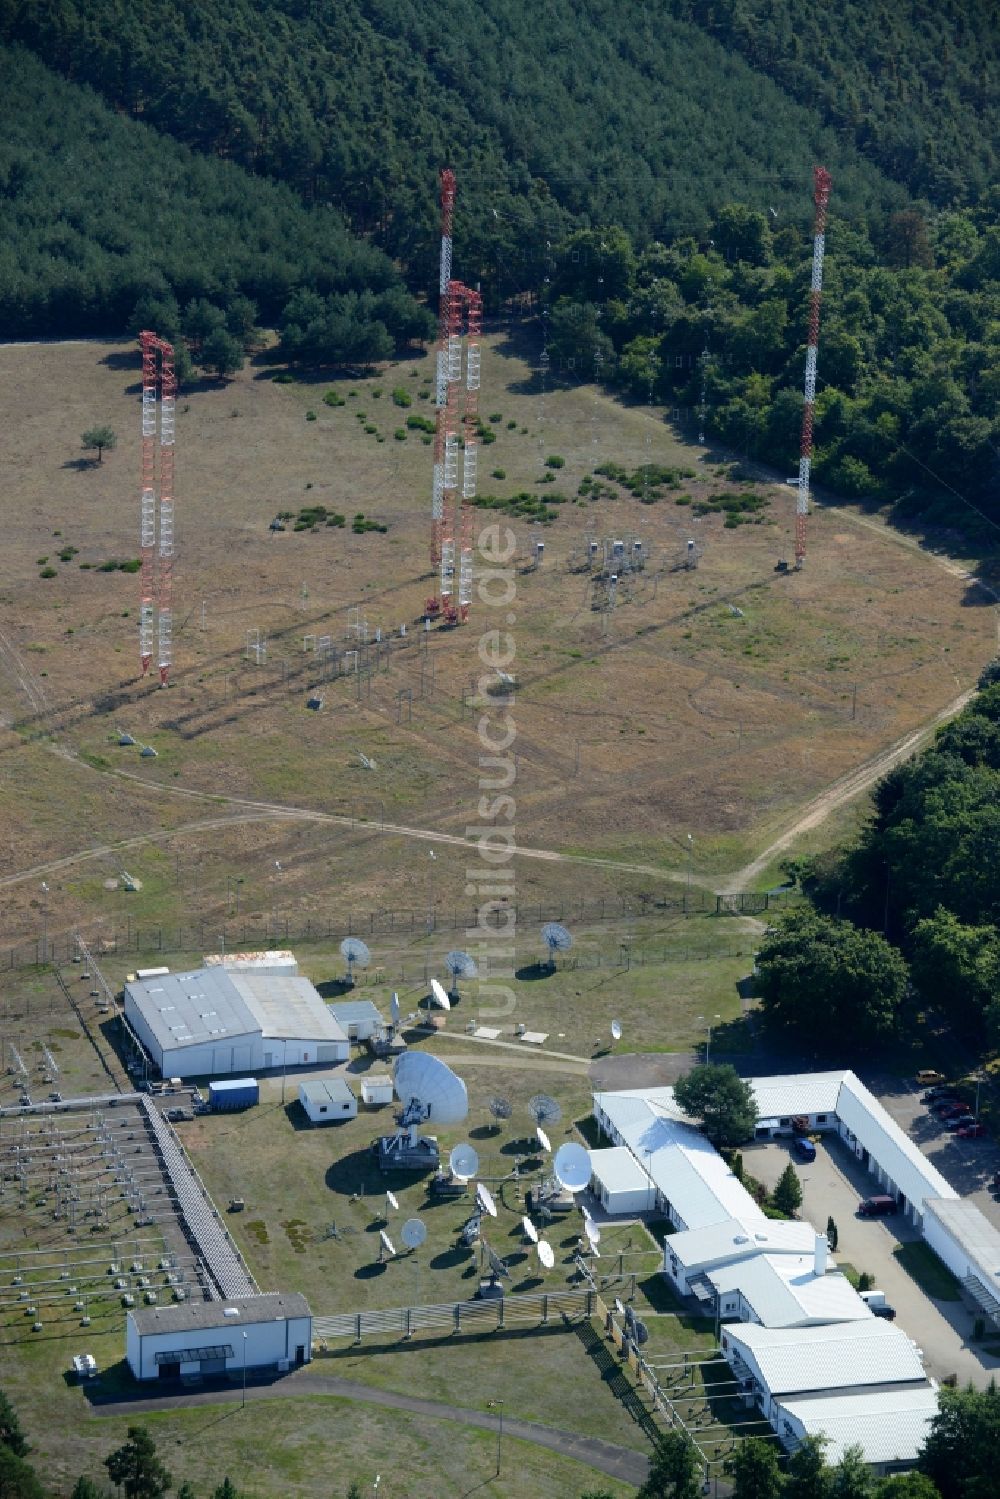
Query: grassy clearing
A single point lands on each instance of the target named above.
(930, 1273)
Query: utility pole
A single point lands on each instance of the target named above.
(493, 1405)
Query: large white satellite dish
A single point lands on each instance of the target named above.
(431, 1082)
(530, 1230)
(572, 1166)
(484, 1197)
(616, 1030)
(387, 1243)
(546, 1254)
(440, 995)
(394, 1009)
(413, 1233)
(464, 1162)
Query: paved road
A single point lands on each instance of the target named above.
(605, 1457)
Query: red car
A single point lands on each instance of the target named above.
(971, 1132)
(951, 1109)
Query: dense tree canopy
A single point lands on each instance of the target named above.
(721, 1101)
(960, 1452)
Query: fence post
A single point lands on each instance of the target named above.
(545, 1309)
(458, 1316)
(500, 1301)
(357, 1328)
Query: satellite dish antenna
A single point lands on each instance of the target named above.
(386, 1242)
(572, 1167)
(546, 1254)
(413, 1232)
(592, 1231)
(394, 1009)
(616, 1030)
(530, 1230)
(355, 951)
(428, 1086)
(464, 1162)
(500, 1108)
(619, 1308)
(544, 1109)
(461, 966)
(543, 1139)
(392, 1202)
(556, 939)
(439, 995)
(484, 1197)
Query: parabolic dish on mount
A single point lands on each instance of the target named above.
(592, 1231)
(543, 1139)
(432, 1083)
(556, 937)
(387, 1243)
(484, 1197)
(572, 1166)
(464, 1162)
(390, 1198)
(546, 1254)
(355, 951)
(413, 1232)
(530, 1230)
(440, 995)
(460, 964)
(544, 1109)
(394, 1009)
(616, 1030)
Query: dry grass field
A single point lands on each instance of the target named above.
(674, 714)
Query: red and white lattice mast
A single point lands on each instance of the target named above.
(156, 577)
(822, 182)
(441, 388)
(474, 326)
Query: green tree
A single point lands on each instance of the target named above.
(957, 964)
(755, 1470)
(807, 1475)
(11, 1434)
(222, 353)
(787, 1195)
(86, 1488)
(674, 1469)
(99, 438)
(136, 1468)
(721, 1101)
(852, 1477)
(907, 1486)
(18, 1479)
(820, 979)
(832, 1233)
(959, 1455)
(186, 1491)
(226, 1490)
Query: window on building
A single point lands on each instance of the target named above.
(820, 1118)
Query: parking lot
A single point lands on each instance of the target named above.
(967, 1164)
(833, 1185)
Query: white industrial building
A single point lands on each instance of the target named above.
(359, 1019)
(275, 961)
(207, 1338)
(217, 1021)
(328, 1100)
(377, 1088)
(804, 1346)
(969, 1245)
(619, 1183)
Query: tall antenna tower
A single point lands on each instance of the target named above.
(156, 577)
(822, 182)
(441, 390)
(470, 457)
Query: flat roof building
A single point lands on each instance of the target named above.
(890, 1426)
(618, 1181)
(328, 1100)
(213, 1022)
(196, 1339)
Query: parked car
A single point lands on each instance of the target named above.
(877, 1207)
(927, 1075)
(804, 1148)
(961, 1121)
(937, 1095)
(883, 1309)
(176, 1115)
(973, 1131)
(949, 1107)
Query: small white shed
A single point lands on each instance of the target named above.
(328, 1101)
(377, 1089)
(619, 1182)
(359, 1019)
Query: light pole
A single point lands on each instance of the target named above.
(498, 1404)
(244, 1401)
(687, 895)
(708, 1027)
(45, 921)
(233, 883)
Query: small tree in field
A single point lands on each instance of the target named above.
(99, 438)
(136, 1468)
(787, 1195)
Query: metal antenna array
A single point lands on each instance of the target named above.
(822, 182)
(156, 581)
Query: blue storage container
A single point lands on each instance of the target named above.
(233, 1093)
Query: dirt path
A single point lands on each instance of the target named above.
(844, 790)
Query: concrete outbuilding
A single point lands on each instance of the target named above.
(359, 1019)
(969, 1244)
(196, 1339)
(216, 1022)
(328, 1100)
(377, 1089)
(619, 1182)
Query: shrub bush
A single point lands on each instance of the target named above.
(401, 396)
(554, 461)
(499, 473)
(47, 572)
(400, 434)
(310, 416)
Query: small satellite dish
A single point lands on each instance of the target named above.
(530, 1230)
(619, 1308)
(413, 1232)
(572, 1167)
(546, 1254)
(464, 1162)
(556, 939)
(422, 1078)
(460, 965)
(394, 1009)
(543, 1139)
(484, 1197)
(355, 951)
(387, 1243)
(500, 1108)
(124, 738)
(439, 995)
(592, 1231)
(544, 1109)
(616, 1030)
(391, 1199)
